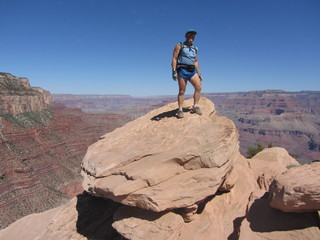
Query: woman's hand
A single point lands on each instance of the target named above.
(174, 75)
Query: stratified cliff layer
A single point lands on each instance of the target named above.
(41, 147)
(285, 119)
(17, 96)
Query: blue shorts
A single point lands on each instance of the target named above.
(185, 74)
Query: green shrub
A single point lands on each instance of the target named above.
(254, 150)
(270, 145)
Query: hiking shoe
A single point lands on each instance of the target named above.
(196, 110)
(180, 114)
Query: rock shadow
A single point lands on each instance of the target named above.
(95, 217)
(168, 114)
(236, 228)
(124, 212)
(202, 204)
(263, 218)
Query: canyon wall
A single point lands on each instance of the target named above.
(17, 96)
(41, 147)
(286, 119)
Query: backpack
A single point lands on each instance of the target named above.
(183, 46)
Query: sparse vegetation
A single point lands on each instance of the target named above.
(29, 119)
(59, 193)
(294, 156)
(252, 150)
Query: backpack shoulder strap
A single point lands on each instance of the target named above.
(182, 46)
(195, 48)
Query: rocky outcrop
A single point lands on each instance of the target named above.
(136, 191)
(17, 96)
(242, 212)
(185, 161)
(297, 190)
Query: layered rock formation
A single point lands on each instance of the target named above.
(286, 119)
(17, 96)
(185, 164)
(172, 178)
(41, 148)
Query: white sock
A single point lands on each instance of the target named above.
(180, 109)
(196, 105)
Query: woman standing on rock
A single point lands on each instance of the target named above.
(185, 67)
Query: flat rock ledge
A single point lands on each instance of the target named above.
(297, 190)
(159, 162)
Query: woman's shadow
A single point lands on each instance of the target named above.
(169, 114)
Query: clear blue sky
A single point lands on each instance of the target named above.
(125, 46)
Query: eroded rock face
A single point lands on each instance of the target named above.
(297, 190)
(270, 163)
(159, 162)
(17, 96)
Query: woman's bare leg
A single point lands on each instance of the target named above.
(196, 83)
(182, 90)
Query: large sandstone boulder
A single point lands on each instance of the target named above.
(270, 163)
(159, 162)
(297, 190)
